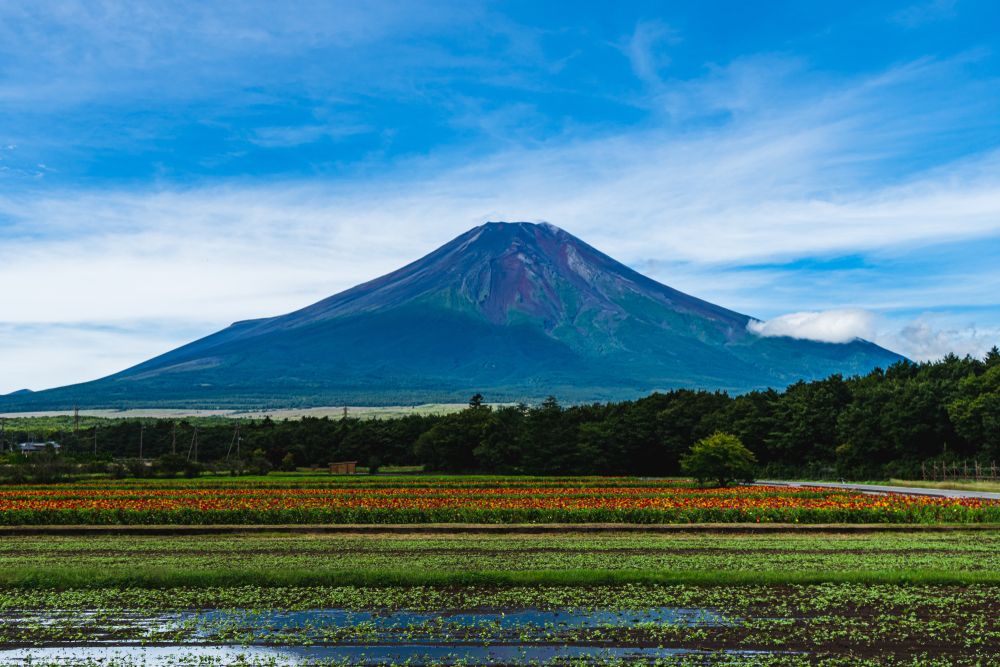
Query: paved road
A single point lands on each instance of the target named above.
(874, 488)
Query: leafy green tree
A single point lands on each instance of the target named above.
(169, 465)
(258, 463)
(685, 416)
(805, 424)
(976, 413)
(449, 445)
(720, 457)
(550, 440)
(500, 447)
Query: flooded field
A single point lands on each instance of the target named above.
(352, 637)
(815, 598)
(346, 636)
(377, 656)
(830, 624)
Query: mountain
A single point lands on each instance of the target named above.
(516, 311)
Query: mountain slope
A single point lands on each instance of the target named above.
(514, 310)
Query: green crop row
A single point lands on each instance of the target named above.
(918, 514)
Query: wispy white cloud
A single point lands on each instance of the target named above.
(75, 51)
(928, 11)
(296, 135)
(645, 49)
(923, 339)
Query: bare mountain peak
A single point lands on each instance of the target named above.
(500, 232)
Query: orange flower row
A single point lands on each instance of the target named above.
(751, 498)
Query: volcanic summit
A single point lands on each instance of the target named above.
(516, 311)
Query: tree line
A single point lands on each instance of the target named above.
(883, 424)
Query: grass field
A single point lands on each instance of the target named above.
(957, 485)
(64, 418)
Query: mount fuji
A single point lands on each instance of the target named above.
(516, 311)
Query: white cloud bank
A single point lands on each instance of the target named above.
(921, 339)
(831, 326)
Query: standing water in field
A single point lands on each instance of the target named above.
(342, 636)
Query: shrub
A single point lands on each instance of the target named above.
(169, 465)
(721, 457)
(258, 463)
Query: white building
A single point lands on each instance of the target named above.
(33, 447)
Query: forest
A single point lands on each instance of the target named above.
(880, 425)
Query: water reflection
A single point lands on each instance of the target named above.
(339, 636)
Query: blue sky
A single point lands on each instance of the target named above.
(830, 168)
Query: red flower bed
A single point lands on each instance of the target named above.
(653, 503)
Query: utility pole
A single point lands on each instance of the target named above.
(193, 446)
(235, 441)
(76, 427)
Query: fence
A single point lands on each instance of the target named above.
(969, 470)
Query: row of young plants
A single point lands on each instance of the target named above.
(955, 555)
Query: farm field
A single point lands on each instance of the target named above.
(64, 417)
(567, 557)
(791, 605)
(464, 499)
(480, 570)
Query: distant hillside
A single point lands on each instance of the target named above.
(516, 311)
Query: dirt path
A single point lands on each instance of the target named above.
(876, 488)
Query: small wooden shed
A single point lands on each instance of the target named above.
(343, 467)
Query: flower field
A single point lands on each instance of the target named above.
(470, 500)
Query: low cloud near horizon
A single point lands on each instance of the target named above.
(919, 339)
(831, 326)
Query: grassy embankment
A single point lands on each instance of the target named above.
(991, 487)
